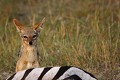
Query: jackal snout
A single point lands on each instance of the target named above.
(30, 38)
(30, 43)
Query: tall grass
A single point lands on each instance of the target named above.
(82, 33)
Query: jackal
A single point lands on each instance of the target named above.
(29, 57)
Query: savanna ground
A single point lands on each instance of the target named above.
(82, 33)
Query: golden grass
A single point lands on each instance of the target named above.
(83, 33)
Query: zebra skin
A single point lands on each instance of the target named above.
(53, 73)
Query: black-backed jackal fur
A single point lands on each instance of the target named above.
(29, 57)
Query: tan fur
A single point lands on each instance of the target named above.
(29, 57)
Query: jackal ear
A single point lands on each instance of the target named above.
(39, 25)
(18, 25)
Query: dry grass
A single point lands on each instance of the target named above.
(83, 33)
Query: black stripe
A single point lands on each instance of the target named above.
(44, 72)
(10, 78)
(73, 77)
(61, 71)
(26, 73)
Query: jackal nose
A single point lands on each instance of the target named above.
(30, 43)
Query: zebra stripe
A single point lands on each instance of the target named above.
(36, 73)
(53, 73)
(44, 72)
(11, 77)
(78, 72)
(17, 76)
(88, 73)
(61, 71)
(26, 73)
(73, 77)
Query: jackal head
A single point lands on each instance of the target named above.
(28, 35)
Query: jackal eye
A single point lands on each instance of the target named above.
(25, 37)
(34, 36)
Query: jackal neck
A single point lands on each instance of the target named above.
(28, 49)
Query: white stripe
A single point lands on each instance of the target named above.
(34, 74)
(78, 72)
(19, 75)
(51, 73)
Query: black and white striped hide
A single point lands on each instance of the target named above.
(53, 73)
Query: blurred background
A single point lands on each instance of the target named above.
(82, 33)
